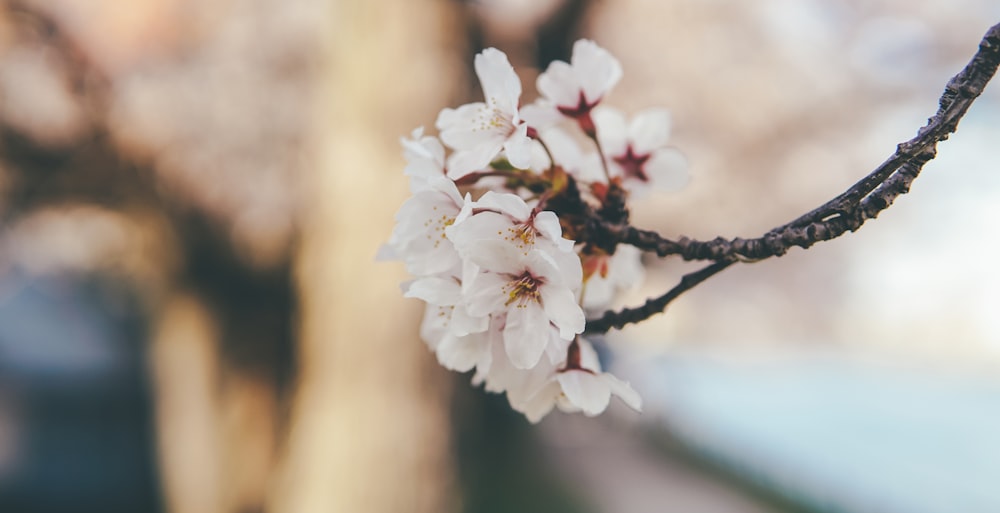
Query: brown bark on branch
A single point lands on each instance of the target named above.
(846, 212)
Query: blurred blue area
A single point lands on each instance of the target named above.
(76, 399)
(838, 434)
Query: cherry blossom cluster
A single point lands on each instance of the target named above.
(496, 232)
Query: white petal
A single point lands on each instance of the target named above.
(667, 169)
(585, 390)
(590, 168)
(482, 226)
(501, 84)
(448, 188)
(463, 324)
(564, 148)
(509, 204)
(556, 348)
(466, 210)
(525, 335)
(624, 391)
(649, 130)
(598, 294)
(597, 69)
(518, 148)
(446, 118)
(561, 308)
(497, 256)
(419, 172)
(558, 84)
(492, 369)
(475, 146)
(418, 236)
(541, 115)
(540, 404)
(523, 384)
(547, 223)
(570, 270)
(423, 148)
(435, 290)
(428, 165)
(612, 130)
(464, 162)
(462, 353)
(469, 272)
(540, 160)
(434, 326)
(457, 126)
(485, 295)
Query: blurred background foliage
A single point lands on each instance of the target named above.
(192, 193)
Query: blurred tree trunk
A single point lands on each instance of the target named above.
(370, 427)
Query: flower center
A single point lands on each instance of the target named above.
(493, 119)
(521, 235)
(582, 107)
(523, 289)
(632, 164)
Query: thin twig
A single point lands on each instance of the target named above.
(616, 320)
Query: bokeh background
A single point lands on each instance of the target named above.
(192, 193)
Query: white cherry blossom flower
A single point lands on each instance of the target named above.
(573, 385)
(479, 131)
(637, 151)
(573, 89)
(507, 217)
(419, 236)
(425, 159)
(533, 290)
(583, 387)
(587, 388)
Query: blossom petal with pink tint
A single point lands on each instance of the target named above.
(511, 205)
(562, 310)
(486, 294)
(596, 69)
(462, 353)
(541, 114)
(585, 390)
(649, 130)
(500, 82)
(559, 85)
(624, 391)
(518, 148)
(425, 158)
(547, 224)
(668, 169)
(526, 334)
(612, 130)
(435, 290)
(589, 76)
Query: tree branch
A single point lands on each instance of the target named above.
(846, 212)
(653, 306)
